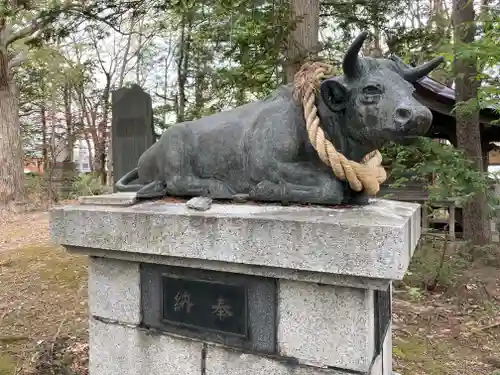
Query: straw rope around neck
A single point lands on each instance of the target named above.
(367, 175)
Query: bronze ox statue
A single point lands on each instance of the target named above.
(262, 150)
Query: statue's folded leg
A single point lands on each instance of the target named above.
(194, 186)
(155, 189)
(307, 174)
(298, 182)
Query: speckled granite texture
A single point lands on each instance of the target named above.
(374, 241)
(326, 325)
(326, 263)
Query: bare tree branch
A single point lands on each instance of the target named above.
(39, 22)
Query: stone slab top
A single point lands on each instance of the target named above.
(115, 199)
(374, 241)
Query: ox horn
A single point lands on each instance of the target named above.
(414, 74)
(350, 65)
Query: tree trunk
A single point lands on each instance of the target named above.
(200, 85)
(91, 155)
(303, 40)
(11, 155)
(486, 162)
(45, 146)
(123, 68)
(138, 53)
(182, 67)
(68, 113)
(165, 92)
(475, 218)
(103, 131)
(11, 152)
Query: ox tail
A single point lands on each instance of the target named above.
(123, 184)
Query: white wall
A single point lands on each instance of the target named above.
(81, 156)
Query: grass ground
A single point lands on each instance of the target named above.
(42, 293)
(447, 312)
(451, 326)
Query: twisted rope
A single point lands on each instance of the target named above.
(367, 175)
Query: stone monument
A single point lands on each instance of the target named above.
(236, 286)
(131, 129)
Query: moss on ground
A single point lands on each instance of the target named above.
(420, 357)
(8, 364)
(444, 308)
(43, 290)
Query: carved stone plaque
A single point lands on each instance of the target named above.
(205, 305)
(232, 309)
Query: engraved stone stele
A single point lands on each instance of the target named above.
(131, 129)
(239, 288)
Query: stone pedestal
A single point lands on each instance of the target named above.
(239, 288)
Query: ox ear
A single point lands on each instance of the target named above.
(334, 94)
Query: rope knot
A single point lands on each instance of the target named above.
(367, 175)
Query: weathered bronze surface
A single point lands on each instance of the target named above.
(262, 150)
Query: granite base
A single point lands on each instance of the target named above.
(327, 268)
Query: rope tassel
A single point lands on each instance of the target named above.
(367, 175)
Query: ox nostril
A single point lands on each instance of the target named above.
(403, 114)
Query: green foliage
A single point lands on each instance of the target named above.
(159, 125)
(88, 184)
(435, 264)
(485, 53)
(455, 176)
(41, 81)
(233, 58)
(416, 293)
(36, 187)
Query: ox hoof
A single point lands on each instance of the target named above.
(356, 198)
(155, 189)
(266, 190)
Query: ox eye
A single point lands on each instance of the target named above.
(371, 90)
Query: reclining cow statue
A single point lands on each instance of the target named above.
(261, 149)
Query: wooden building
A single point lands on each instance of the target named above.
(441, 100)
(494, 156)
